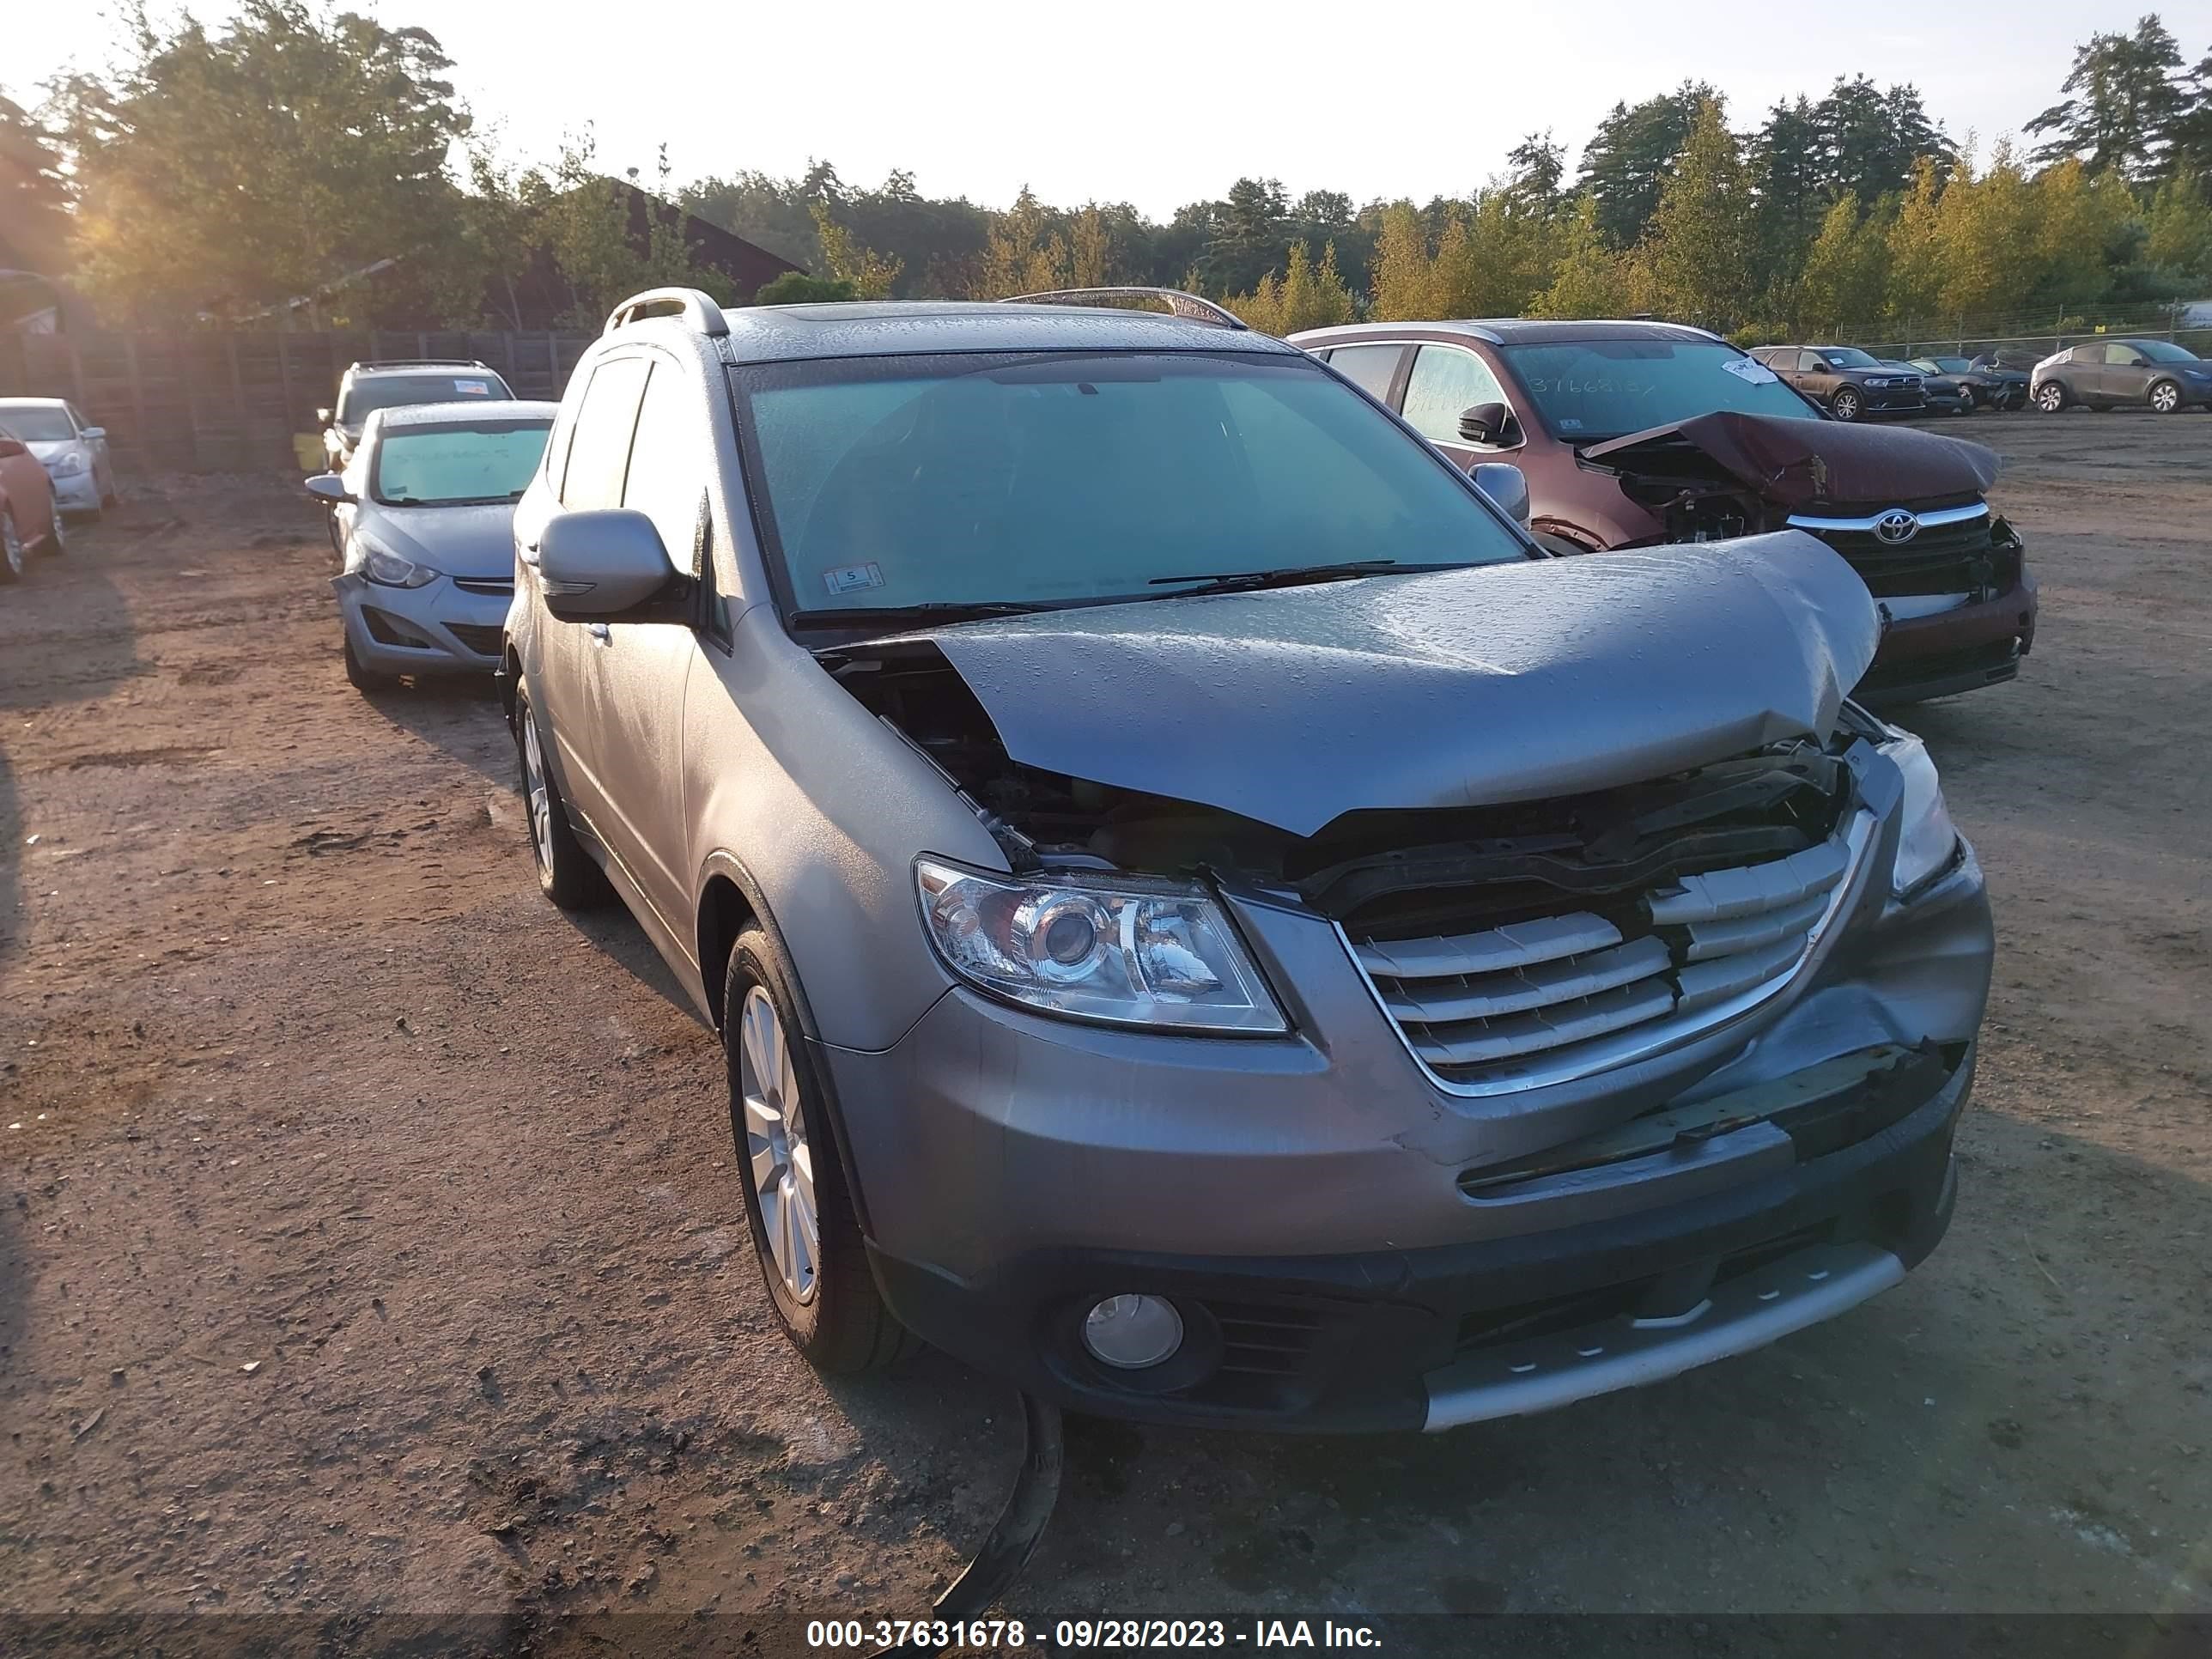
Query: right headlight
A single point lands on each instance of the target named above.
(1927, 840)
(390, 570)
(1124, 952)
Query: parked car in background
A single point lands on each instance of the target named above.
(394, 384)
(2106, 373)
(1989, 386)
(1640, 434)
(73, 450)
(1204, 918)
(1945, 396)
(424, 514)
(30, 516)
(1846, 381)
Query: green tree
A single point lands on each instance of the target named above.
(590, 224)
(2180, 224)
(231, 171)
(1250, 236)
(1697, 255)
(867, 273)
(1989, 251)
(1024, 252)
(1870, 140)
(1845, 273)
(1919, 266)
(1307, 296)
(1590, 279)
(34, 197)
(2124, 97)
(1405, 279)
(796, 288)
(1625, 163)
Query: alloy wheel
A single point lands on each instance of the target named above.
(2051, 397)
(11, 548)
(57, 541)
(2165, 397)
(775, 1147)
(1847, 406)
(541, 796)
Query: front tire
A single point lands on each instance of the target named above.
(2165, 397)
(57, 535)
(566, 874)
(1847, 405)
(360, 676)
(798, 1203)
(11, 550)
(2049, 397)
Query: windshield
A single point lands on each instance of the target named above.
(398, 391)
(1848, 357)
(36, 423)
(1068, 478)
(452, 465)
(2159, 351)
(1587, 391)
(1950, 365)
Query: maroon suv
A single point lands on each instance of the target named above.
(1636, 434)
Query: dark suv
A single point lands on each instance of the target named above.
(1635, 434)
(1846, 381)
(2106, 374)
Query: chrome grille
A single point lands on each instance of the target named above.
(1559, 997)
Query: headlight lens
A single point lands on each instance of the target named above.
(68, 464)
(1928, 838)
(390, 570)
(1129, 952)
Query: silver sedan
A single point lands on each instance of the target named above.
(423, 514)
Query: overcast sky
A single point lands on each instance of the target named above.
(1159, 105)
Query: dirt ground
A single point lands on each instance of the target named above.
(370, 1243)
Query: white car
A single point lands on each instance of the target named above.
(72, 450)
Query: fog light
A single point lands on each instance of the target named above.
(1133, 1332)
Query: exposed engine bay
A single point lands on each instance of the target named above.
(1421, 868)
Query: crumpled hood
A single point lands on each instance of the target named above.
(461, 541)
(1799, 464)
(1458, 687)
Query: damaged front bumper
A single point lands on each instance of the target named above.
(1351, 1247)
(1963, 649)
(440, 627)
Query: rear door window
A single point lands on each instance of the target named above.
(1369, 367)
(1446, 382)
(599, 455)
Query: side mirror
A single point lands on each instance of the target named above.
(94, 432)
(1486, 423)
(322, 418)
(329, 487)
(608, 565)
(1506, 485)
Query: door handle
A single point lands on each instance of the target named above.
(600, 632)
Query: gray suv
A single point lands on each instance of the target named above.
(1204, 918)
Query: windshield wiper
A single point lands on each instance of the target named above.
(1240, 581)
(863, 616)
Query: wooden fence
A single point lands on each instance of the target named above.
(230, 402)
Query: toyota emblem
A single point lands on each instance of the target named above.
(1897, 527)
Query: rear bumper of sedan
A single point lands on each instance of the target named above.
(1339, 1253)
(442, 628)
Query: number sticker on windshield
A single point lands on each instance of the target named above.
(473, 388)
(851, 578)
(1750, 369)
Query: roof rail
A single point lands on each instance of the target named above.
(698, 309)
(1193, 307)
(421, 362)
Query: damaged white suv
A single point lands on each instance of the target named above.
(1205, 919)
